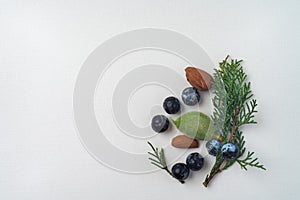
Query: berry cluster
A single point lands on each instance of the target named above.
(233, 107)
(194, 162)
(229, 150)
(160, 123)
(190, 96)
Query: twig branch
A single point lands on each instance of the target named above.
(236, 112)
(212, 175)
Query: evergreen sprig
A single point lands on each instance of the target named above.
(158, 159)
(233, 108)
(250, 161)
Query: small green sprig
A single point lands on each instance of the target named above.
(250, 161)
(158, 159)
(233, 108)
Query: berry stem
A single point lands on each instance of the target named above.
(212, 175)
(166, 168)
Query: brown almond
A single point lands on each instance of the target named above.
(182, 141)
(198, 78)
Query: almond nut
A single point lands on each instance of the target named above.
(199, 79)
(182, 141)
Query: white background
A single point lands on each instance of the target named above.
(43, 45)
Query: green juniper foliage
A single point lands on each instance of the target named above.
(233, 108)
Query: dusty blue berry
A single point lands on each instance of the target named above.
(180, 171)
(229, 151)
(190, 96)
(195, 161)
(160, 123)
(213, 147)
(171, 105)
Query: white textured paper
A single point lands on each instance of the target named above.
(43, 46)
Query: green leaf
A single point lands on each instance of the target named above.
(195, 125)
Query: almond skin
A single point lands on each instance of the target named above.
(182, 141)
(199, 79)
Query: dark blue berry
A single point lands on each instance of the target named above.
(160, 123)
(180, 171)
(171, 105)
(190, 96)
(195, 161)
(213, 147)
(229, 151)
